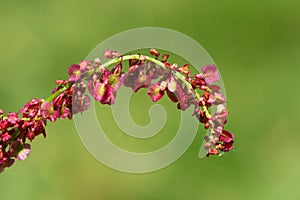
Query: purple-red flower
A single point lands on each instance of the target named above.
(15, 130)
(172, 84)
(226, 136)
(210, 73)
(226, 139)
(104, 89)
(216, 98)
(136, 78)
(31, 109)
(48, 112)
(85, 66)
(219, 117)
(214, 88)
(5, 136)
(111, 54)
(74, 72)
(63, 102)
(155, 92)
(107, 53)
(104, 93)
(186, 98)
(81, 104)
(34, 128)
(142, 81)
(81, 101)
(22, 155)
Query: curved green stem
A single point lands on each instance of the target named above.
(58, 92)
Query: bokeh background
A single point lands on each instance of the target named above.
(256, 45)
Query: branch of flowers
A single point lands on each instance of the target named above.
(30, 121)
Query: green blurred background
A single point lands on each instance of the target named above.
(256, 45)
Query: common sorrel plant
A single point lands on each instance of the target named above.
(153, 72)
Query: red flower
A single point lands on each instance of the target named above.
(210, 73)
(48, 112)
(155, 92)
(216, 98)
(226, 139)
(142, 81)
(74, 72)
(104, 89)
(104, 93)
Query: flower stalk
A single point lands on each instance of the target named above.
(159, 76)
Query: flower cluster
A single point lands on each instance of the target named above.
(158, 76)
(18, 127)
(103, 84)
(161, 77)
(218, 140)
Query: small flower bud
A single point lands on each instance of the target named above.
(185, 69)
(206, 126)
(165, 58)
(107, 53)
(154, 52)
(115, 54)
